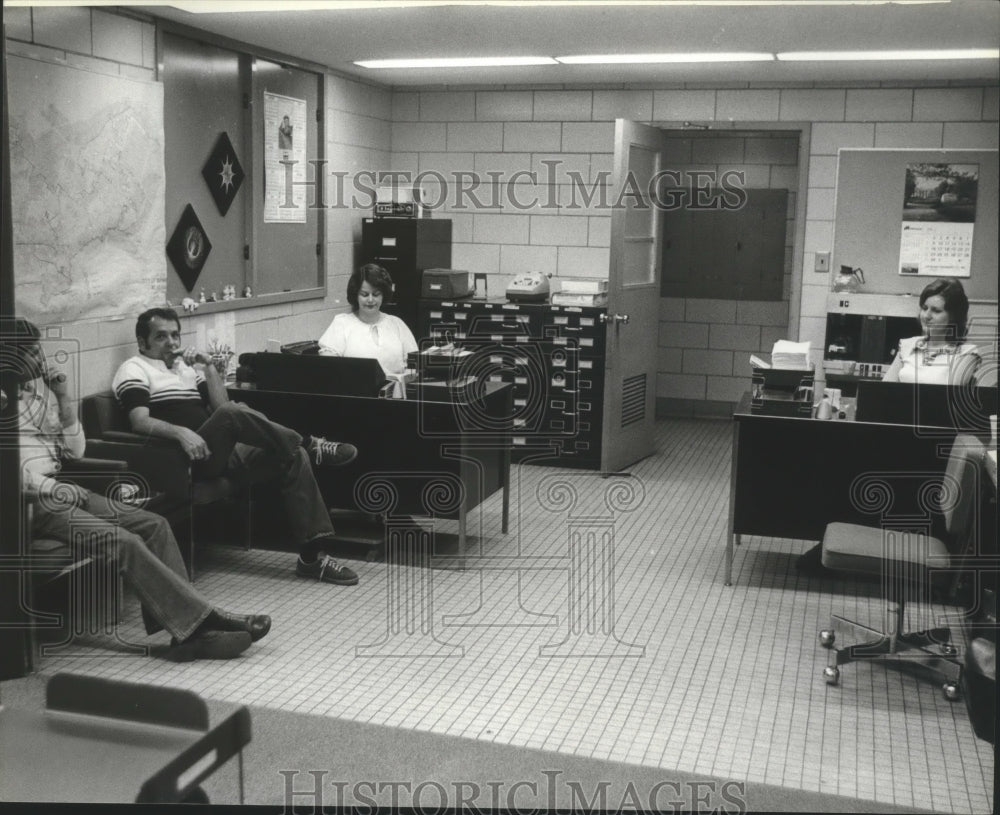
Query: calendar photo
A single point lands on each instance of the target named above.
(939, 213)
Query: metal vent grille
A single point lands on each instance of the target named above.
(633, 400)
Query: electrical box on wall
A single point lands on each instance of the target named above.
(822, 262)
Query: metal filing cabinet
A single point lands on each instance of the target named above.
(554, 358)
(405, 247)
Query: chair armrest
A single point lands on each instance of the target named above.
(95, 474)
(164, 467)
(128, 437)
(89, 464)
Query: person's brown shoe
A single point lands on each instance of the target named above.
(256, 625)
(209, 645)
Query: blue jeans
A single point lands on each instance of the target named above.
(146, 553)
(249, 447)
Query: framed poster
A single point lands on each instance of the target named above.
(939, 213)
(284, 159)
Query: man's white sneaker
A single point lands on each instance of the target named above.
(330, 453)
(326, 570)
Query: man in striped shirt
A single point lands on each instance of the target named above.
(176, 393)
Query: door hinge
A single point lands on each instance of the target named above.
(319, 114)
(246, 251)
(319, 249)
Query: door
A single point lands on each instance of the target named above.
(633, 296)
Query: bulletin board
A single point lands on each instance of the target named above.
(871, 190)
(217, 94)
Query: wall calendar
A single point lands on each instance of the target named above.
(939, 213)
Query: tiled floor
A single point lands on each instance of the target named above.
(635, 652)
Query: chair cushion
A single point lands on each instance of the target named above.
(871, 550)
(52, 559)
(210, 490)
(51, 550)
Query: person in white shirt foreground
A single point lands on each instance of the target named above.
(140, 543)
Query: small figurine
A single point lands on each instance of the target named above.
(213, 298)
(229, 292)
(188, 304)
(247, 291)
(201, 297)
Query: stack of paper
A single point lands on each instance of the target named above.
(564, 298)
(790, 355)
(570, 286)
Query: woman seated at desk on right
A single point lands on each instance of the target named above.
(367, 332)
(940, 356)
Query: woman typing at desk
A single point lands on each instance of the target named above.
(940, 356)
(366, 331)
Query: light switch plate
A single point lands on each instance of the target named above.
(822, 262)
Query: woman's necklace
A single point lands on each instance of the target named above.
(930, 354)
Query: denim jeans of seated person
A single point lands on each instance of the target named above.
(146, 553)
(249, 447)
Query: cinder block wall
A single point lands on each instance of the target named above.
(703, 344)
(565, 135)
(358, 137)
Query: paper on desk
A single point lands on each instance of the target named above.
(791, 355)
(757, 362)
(446, 351)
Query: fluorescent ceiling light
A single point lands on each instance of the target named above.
(284, 6)
(941, 53)
(241, 6)
(454, 62)
(635, 59)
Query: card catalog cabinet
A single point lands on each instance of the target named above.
(554, 358)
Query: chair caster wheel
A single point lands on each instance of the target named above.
(948, 649)
(831, 674)
(827, 638)
(951, 691)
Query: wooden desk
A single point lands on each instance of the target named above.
(792, 476)
(439, 459)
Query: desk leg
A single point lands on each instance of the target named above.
(505, 470)
(462, 522)
(731, 536)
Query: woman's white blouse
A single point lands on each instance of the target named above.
(389, 340)
(928, 368)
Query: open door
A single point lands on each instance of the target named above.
(633, 296)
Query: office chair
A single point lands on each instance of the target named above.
(63, 580)
(907, 559)
(164, 468)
